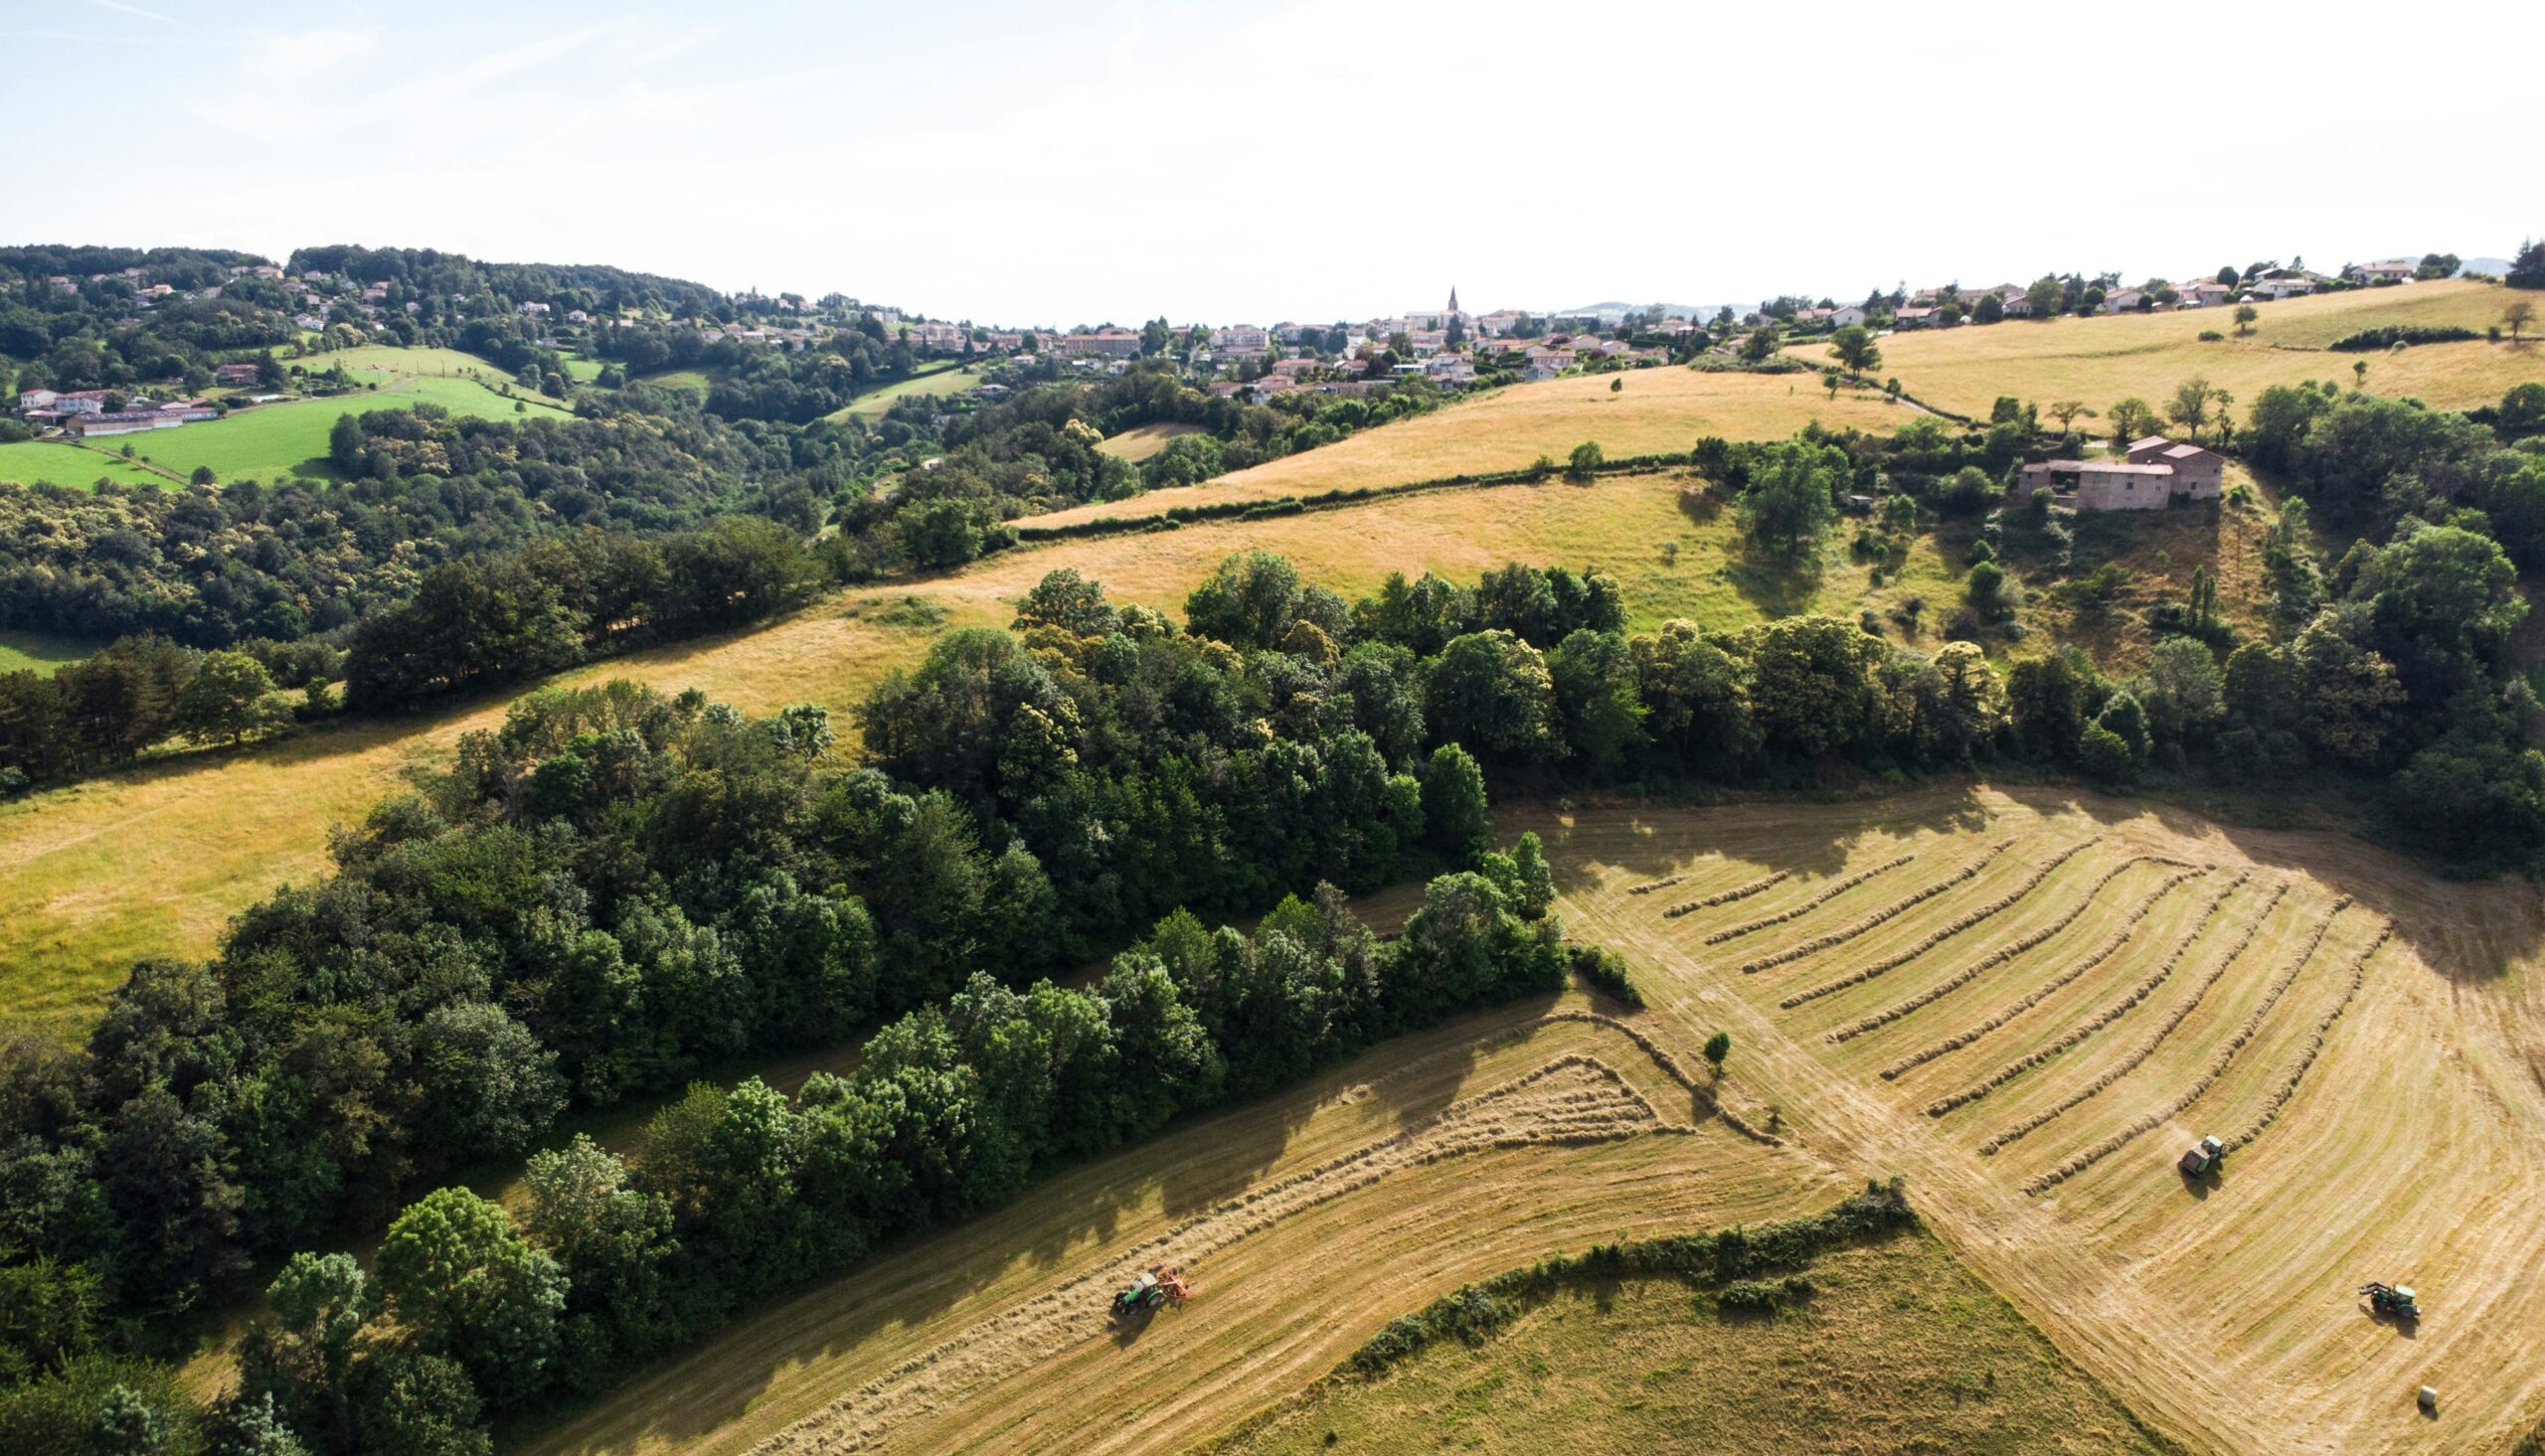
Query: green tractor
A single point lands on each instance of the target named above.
(1149, 1291)
(2203, 1159)
(2392, 1300)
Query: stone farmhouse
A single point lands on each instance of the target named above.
(2153, 473)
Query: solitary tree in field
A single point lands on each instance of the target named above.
(2359, 374)
(2190, 406)
(2246, 313)
(1857, 349)
(1586, 461)
(1718, 1047)
(2047, 295)
(2519, 316)
(2131, 418)
(1829, 382)
(2067, 410)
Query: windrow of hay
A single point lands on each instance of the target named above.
(1573, 1099)
(2110, 947)
(2199, 1089)
(2316, 1041)
(2182, 1013)
(1797, 912)
(1878, 918)
(1737, 892)
(1959, 925)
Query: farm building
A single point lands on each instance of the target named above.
(2155, 473)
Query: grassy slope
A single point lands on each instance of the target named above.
(272, 440)
(1141, 442)
(2226, 1312)
(41, 652)
(1658, 410)
(157, 860)
(2103, 360)
(944, 378)
(1899, 1349)
(1288, 1282)
(33, 462)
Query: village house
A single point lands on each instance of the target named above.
(1240, 339)
(2391, 270)
(1846, 317)
(2208, 293)
(2154, 473)
(1103, 344)
(236, 374)
(2125, 300)
(1546, 364)
(1914, 316)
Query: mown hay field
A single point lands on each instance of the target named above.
(157, 860)
(1898, 1348)
(2057, 994)
(1653, 411)
(1141, 442)
(2103, 359)
(1306, 1221)
(943, 379)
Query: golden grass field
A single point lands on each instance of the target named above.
(2104, 360)
(2150, 975)
(1306, 1220)
(155, 859)
(1657, 410)
(1141, 442)
(1898, 1349)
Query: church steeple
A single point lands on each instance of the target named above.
(1454, 298)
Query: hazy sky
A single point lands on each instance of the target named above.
(1117, 159)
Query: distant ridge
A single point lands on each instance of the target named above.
(2492, 266)
(1614, 309)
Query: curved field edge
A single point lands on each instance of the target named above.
(157, 860)
(1893, 1343)
(2381, 1076)
(1303, 1219)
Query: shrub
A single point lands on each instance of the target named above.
(2212, 336)
(1607, 972)
(2392, 336)
(1717, 1047)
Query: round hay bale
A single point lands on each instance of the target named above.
(2428, 1397)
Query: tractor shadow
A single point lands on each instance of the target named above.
(2408, 1327)
(2200, 1184)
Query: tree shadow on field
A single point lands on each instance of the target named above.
(1643, 838)
(2467, 930)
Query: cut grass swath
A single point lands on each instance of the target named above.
(1736, 892)
(2101, 953)
(2013, 948)
(1961, 925)
(1891, 911)
(2182, 1013)
(2316, 1041)
(2198, 1090)
(1804, 908)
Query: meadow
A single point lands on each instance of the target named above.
(2103, 360)
(155, 859)
(272, 441)
(1897, 1348)
(1653, 411)
(943, 378)
(41, 652)
(1143, 441)
(2120, 979)
(51, 462)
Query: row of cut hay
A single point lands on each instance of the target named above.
(2110, 947)
(1804, 908)
(2093, 1024)
(1961, 925)
(1891, 911)
(2316, 1041)
(2217, 1068)
(2139, 1055)
(1736, 892)
(1674, 1068)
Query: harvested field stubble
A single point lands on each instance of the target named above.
(2199, 1087)
(1752, 927)
(1961, 925)
(1878, 918)
(2106, 950)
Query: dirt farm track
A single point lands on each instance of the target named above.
(2025, 1002)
